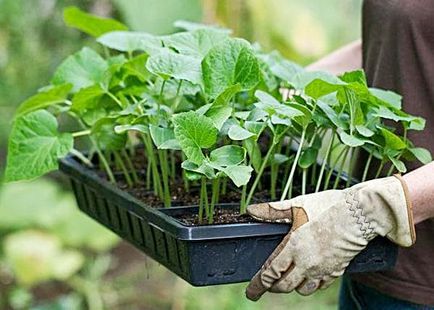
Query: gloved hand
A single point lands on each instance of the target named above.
(330, 228)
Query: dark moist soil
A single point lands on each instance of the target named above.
(180, 197)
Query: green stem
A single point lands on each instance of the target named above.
(332, 168)
(259, 175)
(350, 168)
(368, 164)
(380, 169)
(162, 155)
(324, 163)
(341, 168)
(294, 166)
(130, 166)
(161, 95)
(83, 158)
(121, 164)
(303, 187)
(214, 198)
(104, 161)
(115, 99)
(201, 198)
(81, 133)
(158, 189)
(184, 176)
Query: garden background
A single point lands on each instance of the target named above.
(53, 257)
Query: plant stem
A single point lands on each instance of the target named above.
(380, 169)
(332, 168)
(214, 198)
(259, 175)
(162, 155)
(130, 166)
(115, 99)
(121, 164)
(83, 158)
(350, 168)
(368, 164)
(158, 190)
(172, 166)
(294, 166)
(104, 161)
(184, 176)
(81, 133)
(303, 187)
(324, 163)
(341, 168)
(160, 99)
(201, 198)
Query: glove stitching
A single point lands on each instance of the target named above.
(357, 212)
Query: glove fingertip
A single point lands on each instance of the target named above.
(255, 289)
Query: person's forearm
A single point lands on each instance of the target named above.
(420, 183)
(346, 58)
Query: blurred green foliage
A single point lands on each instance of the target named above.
(33, 41)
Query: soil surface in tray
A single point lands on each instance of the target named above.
(181, 197)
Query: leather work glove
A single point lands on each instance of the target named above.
(328, 229)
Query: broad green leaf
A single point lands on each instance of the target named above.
(392, 141)
(203, 169)
(164, 138)
(83, 69)
(90, 24)
(357, 76)
(106, 137)
(35, 146)
(364, 131)
(196, 43)
(349, 140)
(387, 96)
(239, 174)
(272, 106)
(87, 98)
(308, 157)
(221, 109)
(417, 123)
(130, 41)
(423, 155)
(319, 88)
(230, 63)
(303, 78)
(44, 99)
(255, 127)
(238, 133)
(194, 133)
(228, 155)
(137, 67)
(398, 164)
(332, 115)
(168, 64)
(281, 67)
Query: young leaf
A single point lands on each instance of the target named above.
(255, 156)
(308, 157)
(318, 88)
(164, 138)
(203, 169)
(423, 155)
(35, 146)
(364, 131)
(349, 140)
(398, 164)
(87, 98)
(228, 155)
(387, 96)
(130, 41)
(196, 43)
(137, 67)
(105, 135)
(90, 24)
(44, 99)
(221, 109)
(229, 63)
(356, 76)
(169, 64)
(194, 132)
(238, 133)
(239, 174)
(83, 69)
(392, 141)
(119, 129)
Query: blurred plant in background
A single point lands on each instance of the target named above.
(52, 256)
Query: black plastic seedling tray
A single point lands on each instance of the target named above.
(201, 255)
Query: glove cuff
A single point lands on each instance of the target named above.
(409, 207)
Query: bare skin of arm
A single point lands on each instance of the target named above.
(420, 183)
(346, 58)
